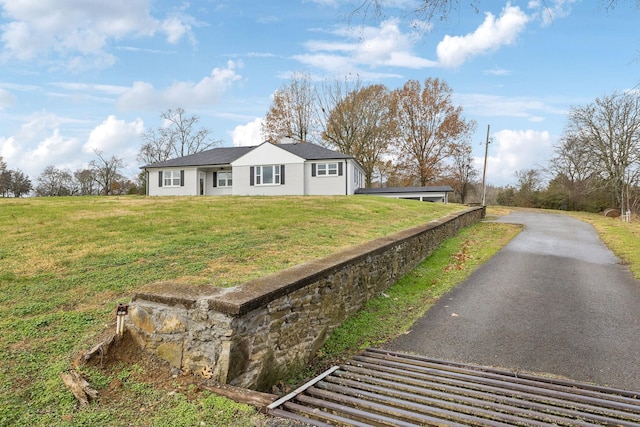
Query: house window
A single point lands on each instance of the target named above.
(326, 169)
(358, 179)
(224, 179)
(267, 175)
(172, 179)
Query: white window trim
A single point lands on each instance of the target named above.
(258, 174)
(171, 178)
(228, 180)
(330, 169)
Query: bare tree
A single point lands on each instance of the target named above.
(441, 9)
(292, 112)
(106, 172)
(529, 186)
(462, 173)
(609, 130)
(431, 128)
(178, 137)
(425, 9)
(573, 159)
(362, 124)
(385, 170)
(85, 181)
(54, 182)
(574, 172)
(156, 147)
(611, 4)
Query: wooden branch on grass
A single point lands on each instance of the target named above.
(241, 395)
(79, 387)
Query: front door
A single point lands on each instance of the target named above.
(202, 178)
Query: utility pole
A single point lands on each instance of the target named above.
(484, 171)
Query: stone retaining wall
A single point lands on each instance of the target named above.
(258, 332)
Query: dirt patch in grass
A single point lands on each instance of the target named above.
(124, 354)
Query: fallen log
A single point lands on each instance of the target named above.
(79, 387)
(100, 349)
(249, 397)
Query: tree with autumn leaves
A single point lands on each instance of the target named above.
(361, 123)
(431, 129)
(292, 112)
(413, 135)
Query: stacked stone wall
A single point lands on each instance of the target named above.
(258, 332)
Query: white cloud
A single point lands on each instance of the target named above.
(38, 144)
(115, 137)
(249, 134)
(175, 28)
(91, 87)
(515, 150)
(80, 31)
(43, 140)
(382, 46)
(208, 91)
(493, 33)
(497, 72)
(549, 11)
(8, 149)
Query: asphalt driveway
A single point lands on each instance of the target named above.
(554, 300)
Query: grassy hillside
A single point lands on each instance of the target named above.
(66, 262)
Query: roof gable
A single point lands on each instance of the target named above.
(267, 153)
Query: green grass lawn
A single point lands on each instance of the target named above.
(66, 262)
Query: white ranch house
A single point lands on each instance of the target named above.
(288, 168)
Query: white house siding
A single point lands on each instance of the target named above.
(263, 155)
(190, 187)
(326, 185)
(212, 177)
(356, 176)
(293, 182)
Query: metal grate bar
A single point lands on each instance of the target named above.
(380, 388)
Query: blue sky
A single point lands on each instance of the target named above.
(80, 75)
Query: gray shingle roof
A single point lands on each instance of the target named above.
(215, 156)
(226, 155)
(309, 151)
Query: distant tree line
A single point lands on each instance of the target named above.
(596, 164)
(180, 135)
(103, 176)
(13, 183)
(407, 137)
